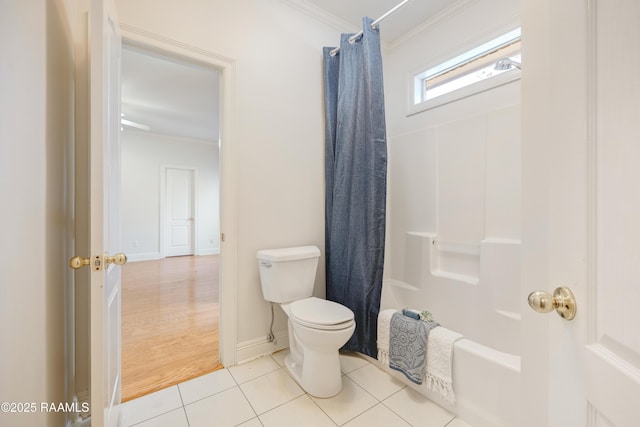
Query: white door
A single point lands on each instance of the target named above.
(581, 225)
(104, 53)
(179, 201)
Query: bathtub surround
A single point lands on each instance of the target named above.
(453, 242)
(355, 174)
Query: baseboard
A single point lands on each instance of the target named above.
(252, 349)
(210, 251)
(156, 255)
(143, 257)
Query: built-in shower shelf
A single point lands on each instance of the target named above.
(472, 280)
(458, 248)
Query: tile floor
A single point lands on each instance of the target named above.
(261, 393)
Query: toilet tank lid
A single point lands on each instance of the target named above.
(288, 254)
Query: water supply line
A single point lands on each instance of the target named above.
(271, 338)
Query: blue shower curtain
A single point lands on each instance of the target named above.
(355, 173)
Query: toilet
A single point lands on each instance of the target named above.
(317, 327)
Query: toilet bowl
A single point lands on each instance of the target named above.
(317, 328)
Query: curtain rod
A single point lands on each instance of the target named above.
(375, 23)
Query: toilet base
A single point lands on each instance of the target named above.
(322, 383)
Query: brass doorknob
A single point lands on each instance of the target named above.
(78, 262)
(117, 259)
(562, 301)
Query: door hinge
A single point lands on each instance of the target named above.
(222, 237)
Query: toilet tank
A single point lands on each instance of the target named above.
(288, 274)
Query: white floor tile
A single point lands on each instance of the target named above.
(253, 422)
(271, 390)
(417, 409)
(206, 385)
(150, 406)
(377, 382)
(351, 361)
(254, 369)
(268, 397)
(378, 416)
(458, 423)
(298, 412)
(348, 404)
(175, 418)
(280, 355)
(225, 409)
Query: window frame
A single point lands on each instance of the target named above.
(416, 80)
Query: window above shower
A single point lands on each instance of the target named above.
(486, 66)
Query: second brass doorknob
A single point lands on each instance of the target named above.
(117, 259)
(562, 301)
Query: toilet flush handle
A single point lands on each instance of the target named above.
(266, 264)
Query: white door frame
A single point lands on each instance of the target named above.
(228, 170)
(163, 207)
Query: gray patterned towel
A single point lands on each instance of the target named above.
(408, 346)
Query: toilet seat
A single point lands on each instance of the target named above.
(320, 314)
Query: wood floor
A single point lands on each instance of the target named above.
(170, 322)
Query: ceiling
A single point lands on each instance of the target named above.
(169, 96)
(173, 97)
(405, 19)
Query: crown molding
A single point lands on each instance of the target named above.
(445, 14)
(321, 15)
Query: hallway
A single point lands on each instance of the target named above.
(170, 322)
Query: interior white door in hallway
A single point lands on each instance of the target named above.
(101, 69)
(581, 224)
(179, 212)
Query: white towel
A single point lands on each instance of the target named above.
(384, 334)
(439, 364)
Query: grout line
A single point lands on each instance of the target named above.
(319, 407)
(394, 412)
(212, 394)
(186, 416)
(391, 409)
(184, 409)
(305, 394)
(157, 415)
(261, 375)
(450, 421)
(180, 394)
(249, 402)
(365, 410)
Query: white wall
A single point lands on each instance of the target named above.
(143, 157)
(454, 170)
(36, 136)
(280, 155)
(280, 124)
